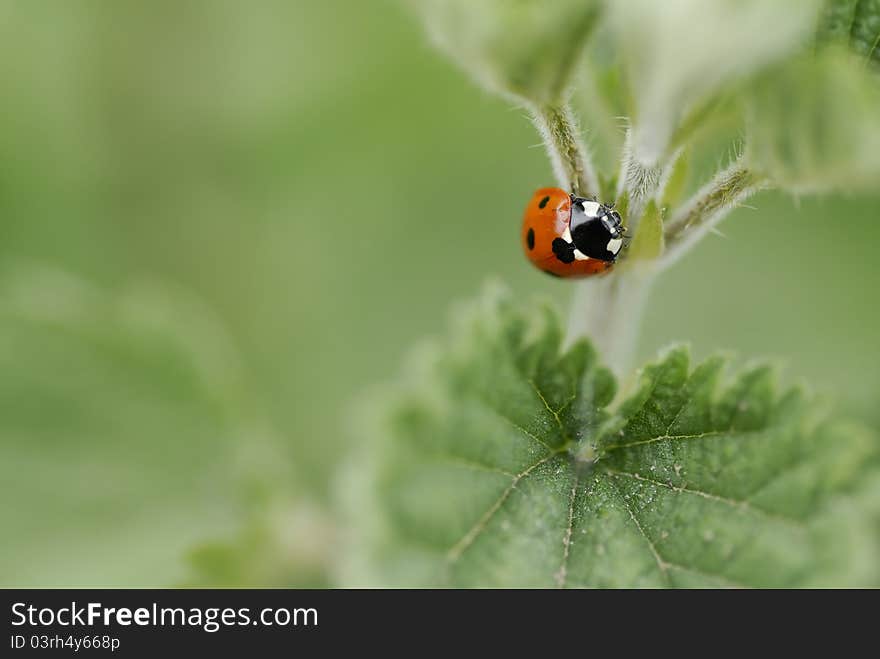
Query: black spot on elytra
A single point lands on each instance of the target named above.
(543, 202)
(564, 251)
(530, 238)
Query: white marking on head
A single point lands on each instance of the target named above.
(614, 245)
(580, 256)
(566, 235)
(591, 208)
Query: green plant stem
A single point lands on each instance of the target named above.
(571, 161)
(637, 181)
(707, 207)
(608, 309)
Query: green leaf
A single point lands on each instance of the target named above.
(678, 54)
(281, 544)
(854, 23)
(499, 462)
(676, 183)
(607, 188)
(814, 125)
(123, 427)
(526, 48)
(648, 243)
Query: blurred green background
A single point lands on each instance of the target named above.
(222, 221)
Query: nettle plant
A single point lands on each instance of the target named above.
(508, 456)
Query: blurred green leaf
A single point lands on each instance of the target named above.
(123, 418)
(854, 23)
(648, 243)
(280, 545)
(206, 163)
(501, 464)
(676, 183)
(678, 53)
(814, 125)
(527, 48)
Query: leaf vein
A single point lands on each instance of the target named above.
(741, 504)
(709, 575)
(661, 564)
(873, 48)
(661, 438)
(554, 413)
(468, 538)
(471, 464)
(566, 539)
(678, 414)
(523, 430)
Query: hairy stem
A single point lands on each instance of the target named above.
(707, 207)
(570, 158)
(605, 309)
(608, 310)
(638, 181)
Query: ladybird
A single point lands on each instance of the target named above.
(568, 236)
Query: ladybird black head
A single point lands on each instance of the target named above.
(596, 229)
